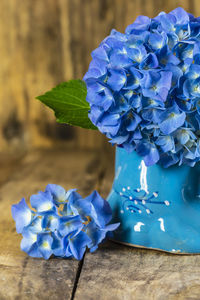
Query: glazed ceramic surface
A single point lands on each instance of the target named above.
(157, 208)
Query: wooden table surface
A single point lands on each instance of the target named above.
(113, 272)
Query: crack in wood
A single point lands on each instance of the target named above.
(78, 274)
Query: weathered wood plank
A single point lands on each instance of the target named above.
(119, 272)
(22, 277)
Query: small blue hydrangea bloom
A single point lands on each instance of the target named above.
(143, 87)
(62, 223)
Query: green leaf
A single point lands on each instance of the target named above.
(68, 100)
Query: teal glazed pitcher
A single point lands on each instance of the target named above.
(158, 208)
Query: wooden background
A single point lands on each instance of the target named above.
(45, 42)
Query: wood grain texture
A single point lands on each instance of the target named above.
(22, 277)
(45, 42)
(126, 273)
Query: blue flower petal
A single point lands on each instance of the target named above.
(131, 120)
(44, 243)
(172, 119)
(68, 224)
(101, 211)
(58, 193)
(36, 224)
(149, 62)
(29, 239)
(181, 15)
(119, 139)
(95, 114)
(149, 152)
(168, 22)
(78, 244)
(121, 60)
(156, 84)
(194, 72)
(57, 246)
(101, 53)
(157, 40)
(110, 123)
(22, 215)
(43, 201)
(50, 221)
(183, 136)
(34, 251)
(78, 206)
(98, 234)
(152, 114)
(116, 79)
(166, 143)
(142, 23)
(169, 160)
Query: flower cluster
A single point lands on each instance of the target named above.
(62, 223)
(144, 88)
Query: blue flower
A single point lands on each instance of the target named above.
(171, 22)
(98, 234)
(58, 248)
(131, 120)
(75, 244)
(149, 62)
(157, 41)
(22, 215)
(116, 79)
(171, 119)
(143, 87)
(109, 123)
(58, 192)
(165, 57)
(42, 202)
(29, 244)
(36, 224)
(149, 151)
(193, 72)
(156, 85)
(140, 25)
(133, 79)
(100, 210)
(191, 88)
(44, 244)
(60, 223)
(69, 224)
(166, 143)
(152, 114)
(50, 220)
(183, 135)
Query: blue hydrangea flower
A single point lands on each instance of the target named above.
(62, 223)
(75, 244)
(98, 234)
(29, 243)
(42, 202)
(44, 244)
(22, 215)
(143, 87)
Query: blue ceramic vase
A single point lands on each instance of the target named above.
(158, 208)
